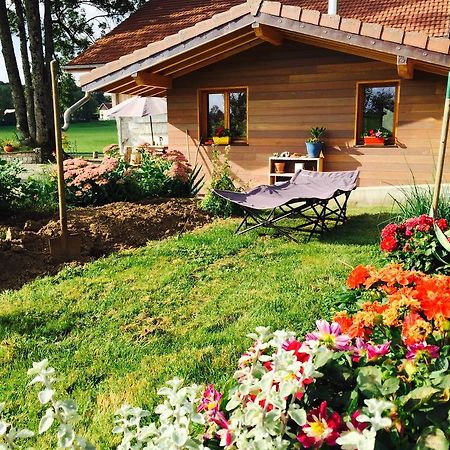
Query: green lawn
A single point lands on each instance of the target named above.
(118, 328)
(84, 137)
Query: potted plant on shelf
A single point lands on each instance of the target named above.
(8, 146)
(375, 138)
(222, 136)
(314, 144)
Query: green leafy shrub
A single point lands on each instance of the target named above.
(167, 174)
(221, 179)
(40, 193)
(10, 184)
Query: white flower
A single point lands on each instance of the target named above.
(376, 408)
(354, 440)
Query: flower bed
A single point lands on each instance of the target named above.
(96, 184)
(376, 377)
(414, 242)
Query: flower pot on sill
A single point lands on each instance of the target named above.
(374, 141)
(314, 148)
(279, 167)
(225, 140)
(8, 148)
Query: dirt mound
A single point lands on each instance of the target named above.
(24, 249)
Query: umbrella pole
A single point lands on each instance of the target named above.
(442, 148)
(151, 130)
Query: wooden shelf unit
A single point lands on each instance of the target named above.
(289, 169)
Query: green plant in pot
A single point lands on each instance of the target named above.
(314, 144)
(8, 146)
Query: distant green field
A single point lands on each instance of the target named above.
(83, 137)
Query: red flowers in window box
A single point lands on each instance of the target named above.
(376, 138)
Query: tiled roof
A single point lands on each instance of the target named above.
(153, 22)
(160, 18)
(373, 36)
(427, 16)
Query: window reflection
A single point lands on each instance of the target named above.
(238, 114)
(379, 107)
(216, 112)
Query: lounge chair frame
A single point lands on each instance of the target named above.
(318, 216)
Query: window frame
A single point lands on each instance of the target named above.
(359, 110)
(202, 111)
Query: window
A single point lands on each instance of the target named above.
(377, 109)
(226, 108)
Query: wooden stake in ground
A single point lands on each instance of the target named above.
(66, 246)
(442, 148)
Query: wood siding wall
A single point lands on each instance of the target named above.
(294, 87)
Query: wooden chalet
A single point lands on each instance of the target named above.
(271, 70)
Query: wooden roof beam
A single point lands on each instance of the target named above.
(156, 80)
(405, 68)
(118, 86)
(267, 34)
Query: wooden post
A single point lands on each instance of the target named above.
(442, 148)
(59, 151)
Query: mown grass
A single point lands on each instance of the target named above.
(83, 137)
(118, 328)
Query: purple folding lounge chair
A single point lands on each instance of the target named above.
(319, 198)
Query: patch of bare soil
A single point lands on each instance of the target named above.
(24, 247)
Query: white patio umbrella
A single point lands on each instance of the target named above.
(140, 107)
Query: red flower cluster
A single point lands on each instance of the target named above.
(395, 237)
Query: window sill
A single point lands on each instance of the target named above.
(231, 144)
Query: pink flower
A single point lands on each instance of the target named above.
(376, 351)
(210, 401)
(359, 350)
(209, 405)
(330, 335)
(416, 351)
(320, 428)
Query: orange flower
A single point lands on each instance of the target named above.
(351, 326)
(401, 303)
(357, 277)
(394, 274)
(415, 329)
(434, 296)
(343, 320)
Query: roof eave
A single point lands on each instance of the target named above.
(80, 67)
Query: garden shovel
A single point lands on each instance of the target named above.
(67, 246)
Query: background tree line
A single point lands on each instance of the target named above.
(48, 29)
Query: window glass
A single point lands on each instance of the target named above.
(378, 108)
(238, 114)
(216, 112)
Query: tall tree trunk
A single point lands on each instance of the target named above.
(41, 94)
(49, 54)
(13, 74)
(29, 98)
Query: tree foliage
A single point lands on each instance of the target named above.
(53, 29)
